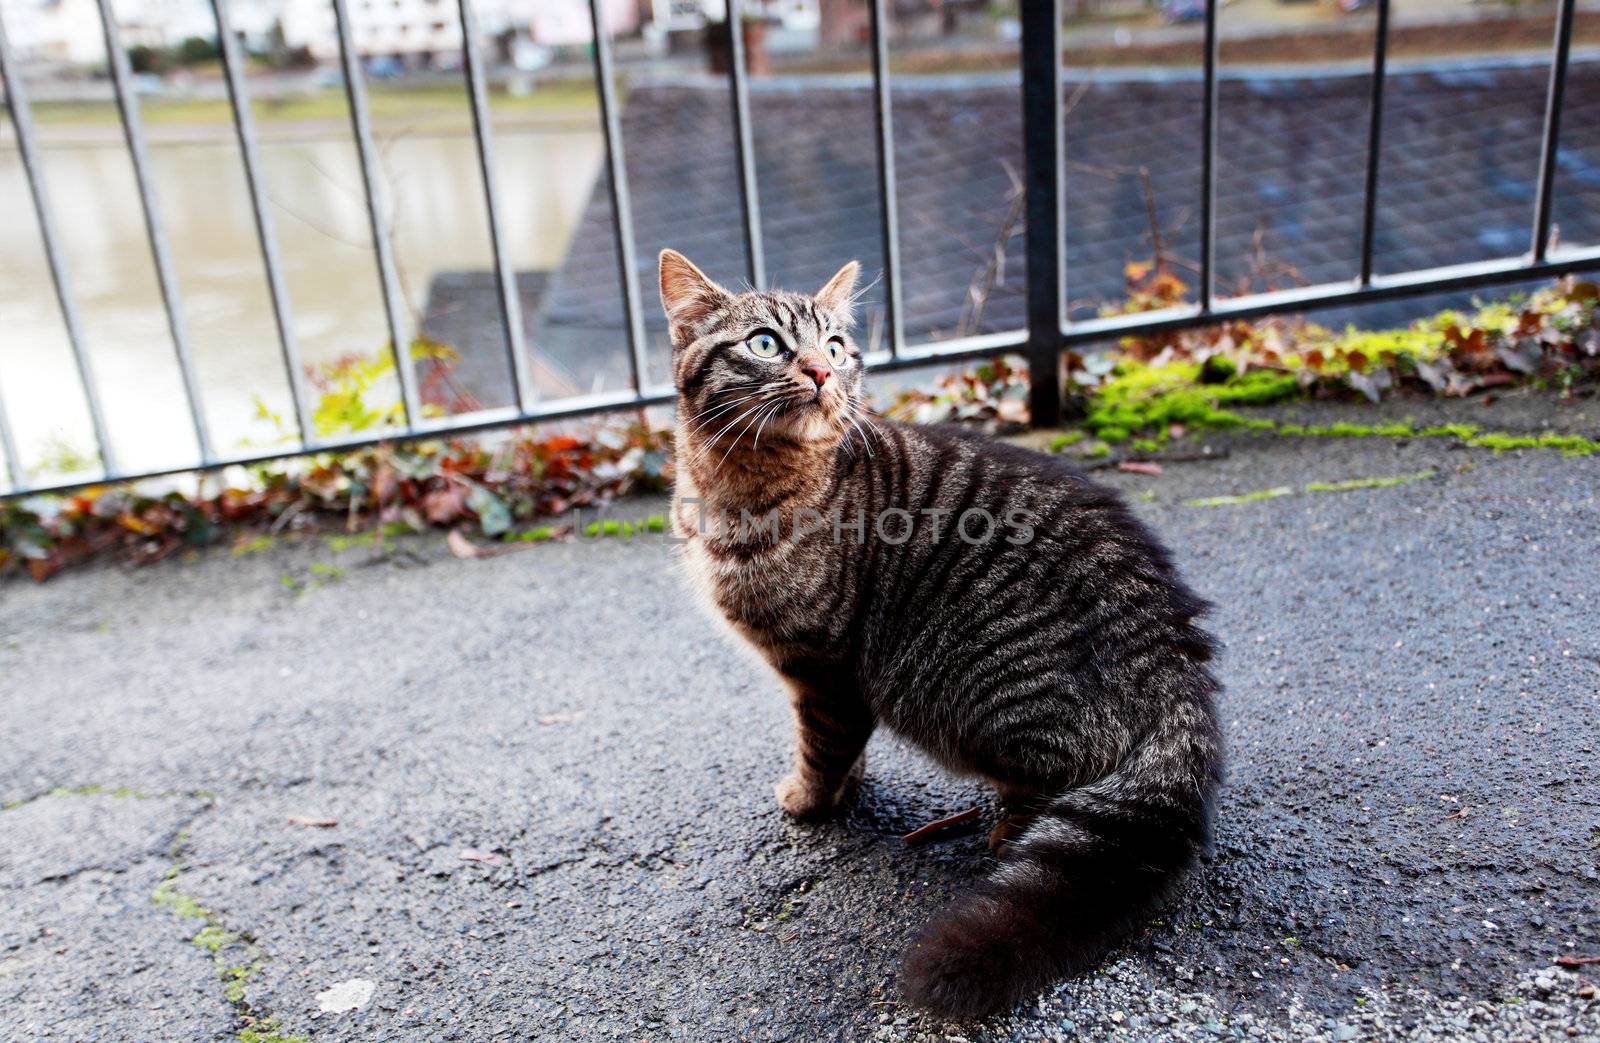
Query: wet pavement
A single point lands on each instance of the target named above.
(548, 780)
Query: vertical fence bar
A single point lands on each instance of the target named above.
(133, 132)
(355, 89)
(244, 130)
(1369, 212)
(737, 75)
(621, 204)
(8, 450)
(27, 148)
(1208, 164)
(888, 206)
(1041, 143)
(505, 277)
(1552, 131)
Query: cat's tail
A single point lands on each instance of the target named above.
(1092, 864)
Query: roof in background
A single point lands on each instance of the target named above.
(1460, 161)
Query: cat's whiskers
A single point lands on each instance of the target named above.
(783, 397)
(710, 443)
(777, 407)
(705, 418)
(871, 427)
(866, 443)
(729, 451)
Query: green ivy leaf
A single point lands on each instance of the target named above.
(493, 514)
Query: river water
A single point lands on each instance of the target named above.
(544, 174)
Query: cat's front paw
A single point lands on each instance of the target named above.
(803, 800)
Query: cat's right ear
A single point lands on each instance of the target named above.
(687, 296)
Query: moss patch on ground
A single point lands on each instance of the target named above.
(1143, 406)
(235, 954)
(1150, 399)
(1344, 486)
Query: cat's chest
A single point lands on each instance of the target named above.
(784, 594)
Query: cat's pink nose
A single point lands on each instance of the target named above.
(818, 372)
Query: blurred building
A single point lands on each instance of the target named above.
(68, 32)
(431, 29)
(428, 32)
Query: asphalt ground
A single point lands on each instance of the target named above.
(1409, 838)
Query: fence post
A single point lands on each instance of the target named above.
(1041, 142)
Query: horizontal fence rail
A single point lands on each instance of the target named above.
(1047, 334)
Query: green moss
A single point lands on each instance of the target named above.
(1351, 484)
(1570, 445)
(168, 897)
(213, 937)
(1347, 485)
(1229, 501)
(237, 979)
(1343, 429)
(1140, 398)
(254, 545)
(225, 947)
(535, 535)
(267, 1030)
(1067, 439)
(1467, 434)
(1259, 387)
(1462, 431)
(615, 527)
(339, 544)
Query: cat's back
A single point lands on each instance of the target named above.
(1001, 532)
(934, 468)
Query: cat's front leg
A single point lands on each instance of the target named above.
(832, 725)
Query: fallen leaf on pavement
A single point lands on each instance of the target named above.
(346, 995)
(462, 547)
(925, 833)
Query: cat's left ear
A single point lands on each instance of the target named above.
(835, 296)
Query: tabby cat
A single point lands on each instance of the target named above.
(1051, 650)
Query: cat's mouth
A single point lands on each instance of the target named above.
(808, 414)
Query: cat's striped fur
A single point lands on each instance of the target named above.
(1067, 669)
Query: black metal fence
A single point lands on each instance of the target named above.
(1048, 331)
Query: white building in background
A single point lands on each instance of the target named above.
(68, 31)
(403, 28)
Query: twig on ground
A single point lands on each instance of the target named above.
(1576, 961)
(1196, 457)
(940, 828)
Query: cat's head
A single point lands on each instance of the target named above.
(762, 365)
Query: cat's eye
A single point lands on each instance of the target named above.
(764, 345)
(836, 353)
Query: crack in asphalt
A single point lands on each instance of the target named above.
(221, 940)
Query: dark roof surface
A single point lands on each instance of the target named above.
(1460, 161)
